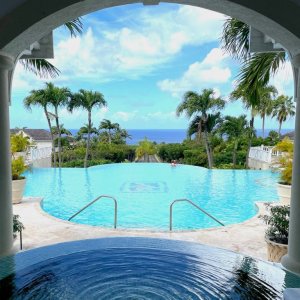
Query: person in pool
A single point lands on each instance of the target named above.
(173, 163)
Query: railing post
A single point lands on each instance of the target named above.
(171, 216)
(95, 200)
(192, 203)
(116, 216)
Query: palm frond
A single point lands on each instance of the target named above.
(235, 38)
(40, 67)
(260, 67)
(75, 27)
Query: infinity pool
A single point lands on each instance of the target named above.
(145, 191)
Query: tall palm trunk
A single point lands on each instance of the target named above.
(234, 153)
(52, 137)
(208, 149)
(250, 141)
(279, 129)
(59, 137)
(109, 136)
(263, 126)
(88, 139)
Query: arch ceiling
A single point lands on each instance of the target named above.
(22, 22)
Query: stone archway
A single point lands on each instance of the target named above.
(22, 22)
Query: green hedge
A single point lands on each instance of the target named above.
(169, 152)
(79, 163)
(195, 157)
(99, 154)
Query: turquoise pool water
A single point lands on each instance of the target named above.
(145, 191)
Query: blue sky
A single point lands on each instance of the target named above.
(142, 59)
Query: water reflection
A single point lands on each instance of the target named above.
(140, 273)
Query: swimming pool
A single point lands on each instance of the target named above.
(145, 191)
(139, 268)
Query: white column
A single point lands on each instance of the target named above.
(6, 224)
(291, 261)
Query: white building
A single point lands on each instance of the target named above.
(263, 157)
(40, 153)
(41, 138)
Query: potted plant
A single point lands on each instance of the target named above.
(18, 167)
(286, 168)
(277, 233)
(19, 145)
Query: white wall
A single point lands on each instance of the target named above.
(43, 144)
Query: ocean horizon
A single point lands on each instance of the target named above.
(168, 135)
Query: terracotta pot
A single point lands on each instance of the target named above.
(17, 190)
(275, 250)
(284, 193)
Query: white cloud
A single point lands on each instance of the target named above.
(124, 116)
(99, 114)
(284, 80)
(208, 73)
(25, 81)
(107, 52)
(137, 49)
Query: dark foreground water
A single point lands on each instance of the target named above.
(140, 268)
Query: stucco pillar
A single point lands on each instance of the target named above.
(6, 231)
(291, 261)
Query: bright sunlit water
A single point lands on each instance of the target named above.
(145, 191)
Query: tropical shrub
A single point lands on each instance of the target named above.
(144, 149)
(17, 225)
(278, 224)
(286, 161)
(18, 167)
(19, 143)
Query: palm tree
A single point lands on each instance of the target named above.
(121, 135)
(57, 97)
(234, 128)
(212, 123)
(83, 131)
(38, 98)
(241, 92)
(197, 127)
(42, 67)
(108, 126)
(87, 100)
(195, 104)
(266, 104)
(284, 108)
(62, 130)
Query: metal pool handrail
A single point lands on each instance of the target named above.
(95, 200)
(191, 202)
